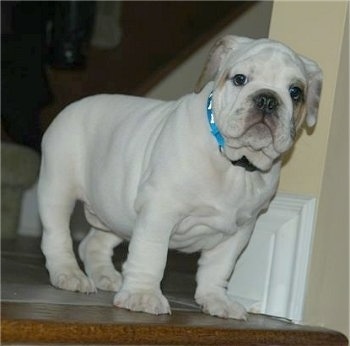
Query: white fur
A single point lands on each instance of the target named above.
(150, 172)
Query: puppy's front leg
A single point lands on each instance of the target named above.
(215, 268)
(144, 268)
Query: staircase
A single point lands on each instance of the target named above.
(157, 36)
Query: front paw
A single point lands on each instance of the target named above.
(221, 305)
(152, 302)
(72, 280)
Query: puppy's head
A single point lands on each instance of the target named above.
(263, 92)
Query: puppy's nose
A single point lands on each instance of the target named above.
(266, 102)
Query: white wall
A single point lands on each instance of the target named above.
(328, 293)
(320, 162)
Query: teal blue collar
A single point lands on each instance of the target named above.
(243, 161)
(213, 128)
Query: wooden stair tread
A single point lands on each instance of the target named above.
(34, 322)
(100, 325)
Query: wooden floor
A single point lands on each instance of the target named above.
(34, 313)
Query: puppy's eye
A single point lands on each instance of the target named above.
(239, 80)
(295, 93)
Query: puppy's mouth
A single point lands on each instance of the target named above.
(246, 164)
(249, 159)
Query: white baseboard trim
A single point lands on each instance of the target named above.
(271, 275)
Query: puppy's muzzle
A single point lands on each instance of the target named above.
(266, 102)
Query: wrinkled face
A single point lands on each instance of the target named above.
(260, 99)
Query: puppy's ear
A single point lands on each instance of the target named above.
(216, 56)
(314, 87)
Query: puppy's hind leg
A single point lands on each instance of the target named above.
(96, 251)
(56, 194)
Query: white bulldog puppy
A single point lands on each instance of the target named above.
(191, 174)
